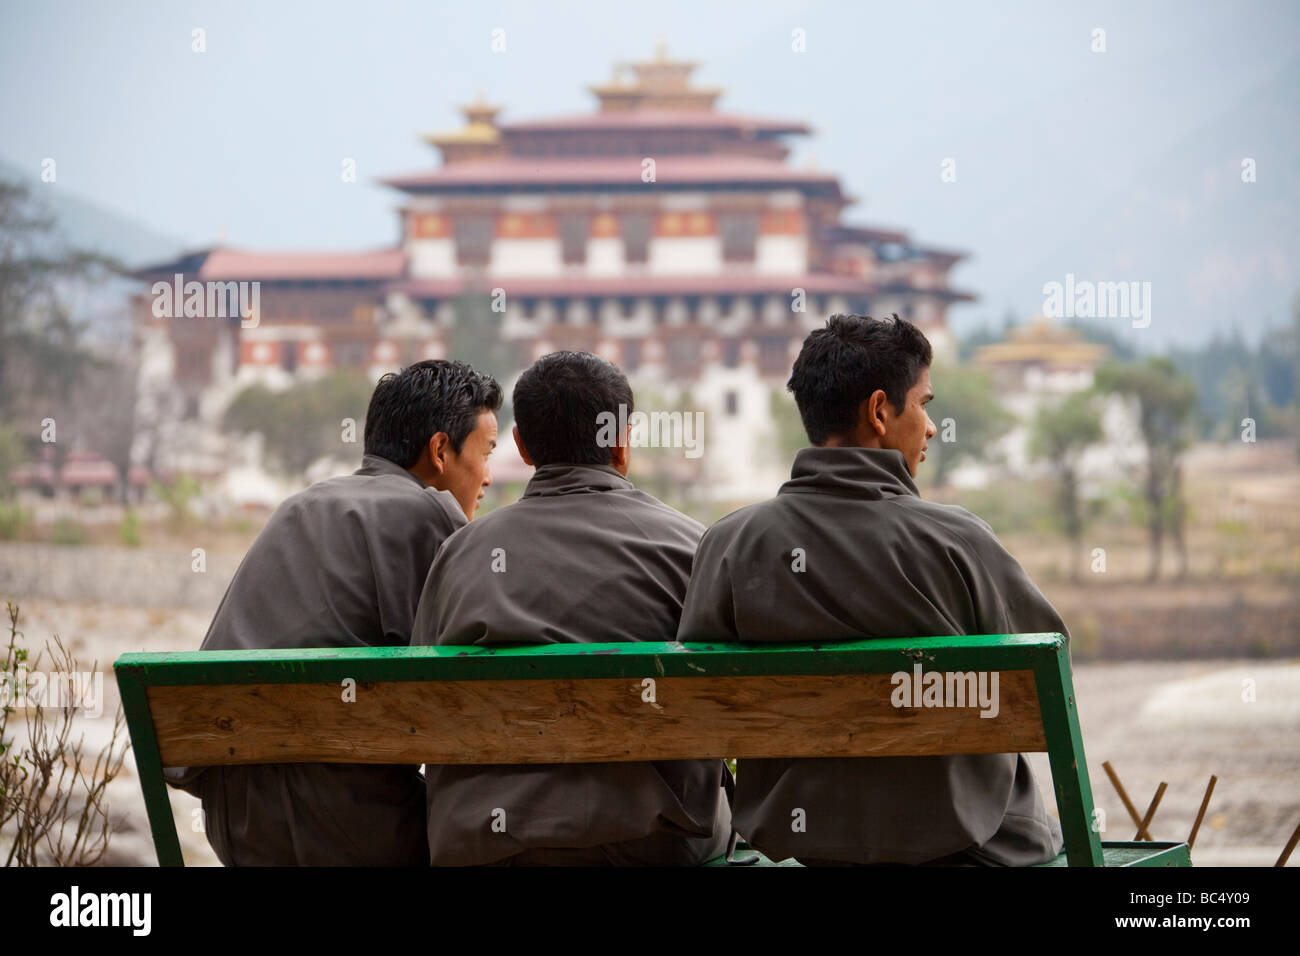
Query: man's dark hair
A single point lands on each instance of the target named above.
(558, 403)
(411, 406)
(843, 363)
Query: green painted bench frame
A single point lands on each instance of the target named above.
(1046, 655)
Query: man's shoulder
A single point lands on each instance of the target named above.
(531, 514)
(749, 519)
(925, 517)
(952, 518)
(663, 512)
(501, 521)
(360, 494)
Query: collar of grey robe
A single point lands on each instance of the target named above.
(374, 465)
(871, 473)
(574, 479)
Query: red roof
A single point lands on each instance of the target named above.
(734, 284)
(90, 473)
(655, 119)
(232, 264)
(841, 232)
(614, 170)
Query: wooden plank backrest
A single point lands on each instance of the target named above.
(592, 703)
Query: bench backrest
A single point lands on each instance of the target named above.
(596, 703)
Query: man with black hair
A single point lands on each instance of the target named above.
(341, 564)
(583, 557)
(849, 550)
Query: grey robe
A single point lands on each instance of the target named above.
(340, 564)
(587, 559)
(879, 562)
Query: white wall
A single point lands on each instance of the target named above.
(432, 258)
(685, 255)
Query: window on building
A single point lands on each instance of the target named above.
(773, 354)
(627, 306)
(683, 357)
(194, 361)
(574, 228)
(351, 354)
(473, 235)
(692, 304)
(731, 353)
(732, 401)
(631, 355)
(289, 356)
(636, 228)
(739, 232)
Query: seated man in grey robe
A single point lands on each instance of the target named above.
(341, 564)
(875, 560)
(583, 557)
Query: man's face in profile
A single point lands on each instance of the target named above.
(467, 473)
(911, 429)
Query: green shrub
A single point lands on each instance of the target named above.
(68, 530)
(128, 532)
(13, 519)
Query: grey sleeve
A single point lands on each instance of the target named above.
(709, 612)
(1019, 606)
(430, 611)
(402, 571)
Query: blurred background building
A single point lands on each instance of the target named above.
(670, 236)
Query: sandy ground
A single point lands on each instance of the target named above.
(1171, 721)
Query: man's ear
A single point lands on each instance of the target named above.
(439, 449)
(620, 456)
(519, 443)
(873, 414)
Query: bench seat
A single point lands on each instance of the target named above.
(595, 703)
(1114, 854)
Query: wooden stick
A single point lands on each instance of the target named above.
(1119, 788)
(1143, 833)
(1290, 845)
(1205, 802)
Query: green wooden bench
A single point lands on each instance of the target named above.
(589, 703)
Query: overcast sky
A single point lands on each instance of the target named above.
(1115, 165)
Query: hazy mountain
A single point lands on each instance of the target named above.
(1220, 253)
(84, 224)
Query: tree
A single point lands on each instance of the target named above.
(45, 356)
(968, 416)
(53, 806)
(1165, 399)
(1059, 435)
(664, 469)
(1293, 341)
(476, 338)
(303, 423)
(42, 353)
(788, 426)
